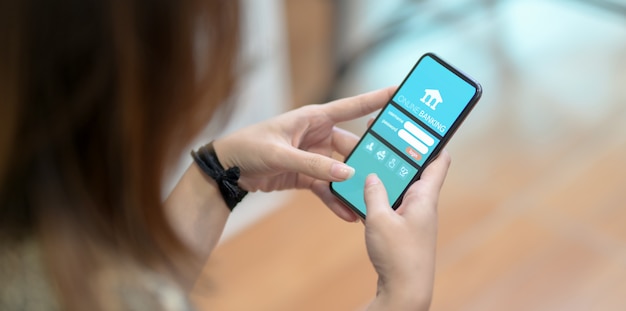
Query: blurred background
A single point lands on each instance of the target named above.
(533, 213)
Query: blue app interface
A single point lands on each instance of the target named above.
(407, 131)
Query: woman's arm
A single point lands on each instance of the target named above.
(197, 212)
(292, 150)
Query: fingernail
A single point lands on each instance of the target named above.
(341, 171)
(372, 179)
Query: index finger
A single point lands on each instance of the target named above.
(357, 106)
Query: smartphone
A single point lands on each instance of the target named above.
(410, 131)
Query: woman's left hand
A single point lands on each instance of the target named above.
(294, 150)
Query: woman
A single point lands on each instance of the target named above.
(99, 98)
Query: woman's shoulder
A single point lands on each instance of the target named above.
(127, 287)
(119, 285)
(23, 284)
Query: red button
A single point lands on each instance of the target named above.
(414, 154)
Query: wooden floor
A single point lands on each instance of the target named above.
(532, 216)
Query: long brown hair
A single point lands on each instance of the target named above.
(97, 98)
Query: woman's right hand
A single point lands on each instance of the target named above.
(401, 244)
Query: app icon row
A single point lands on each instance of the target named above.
(386, 157)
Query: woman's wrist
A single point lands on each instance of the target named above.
(228, 150)
(227, 179)
(222, 149)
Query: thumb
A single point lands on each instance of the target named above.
(376, 201)
(316, 165)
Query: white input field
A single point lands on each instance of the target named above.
(417, 132)
(418, 145)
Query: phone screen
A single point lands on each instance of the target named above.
(410, 130)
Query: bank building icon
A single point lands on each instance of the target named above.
(431, 98)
